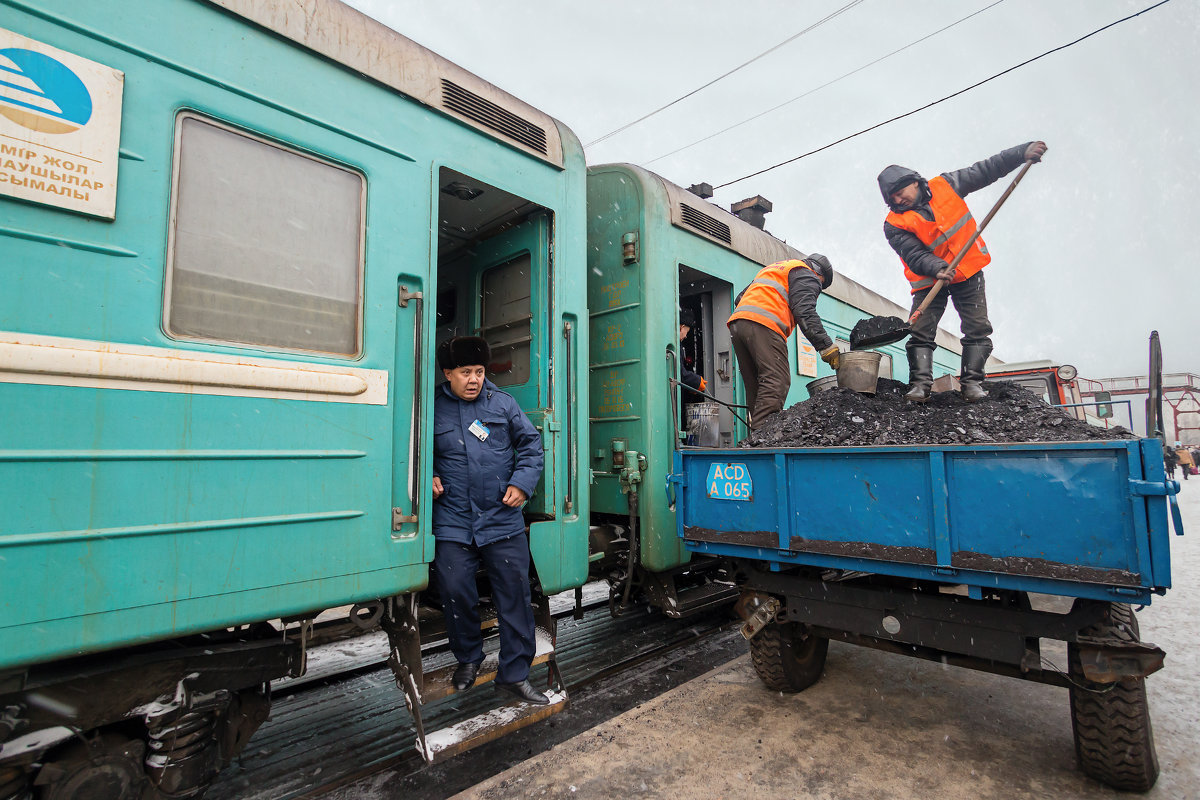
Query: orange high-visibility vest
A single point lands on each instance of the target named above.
(950, 228)
(765, 300)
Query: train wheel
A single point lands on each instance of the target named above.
(787, 658)
(107, 767)
(1114, 742)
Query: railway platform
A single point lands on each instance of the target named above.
(875, 725)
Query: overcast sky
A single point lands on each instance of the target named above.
(1089, 255)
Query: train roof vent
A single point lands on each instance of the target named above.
(490, 115)
(704, 223)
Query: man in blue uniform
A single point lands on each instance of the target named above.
(487, 459)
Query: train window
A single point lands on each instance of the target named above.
(1038, 384)
(506, 320)
(266, 243)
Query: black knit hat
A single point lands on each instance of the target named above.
(463, 351)
(822, 267)
(687, 317)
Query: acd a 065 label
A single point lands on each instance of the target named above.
(730, 482)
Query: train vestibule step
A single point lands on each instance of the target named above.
(403, 625)
(445, 743)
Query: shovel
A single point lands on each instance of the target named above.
(897, 332)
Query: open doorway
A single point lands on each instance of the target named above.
(707, 349)
(493, 281)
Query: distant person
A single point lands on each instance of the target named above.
(487, 459)
(1195, 460)
(1186, 462)
(688, 377)
(1170, 459)
(781, 296)
(928, 226)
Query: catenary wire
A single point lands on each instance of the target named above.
(791, 38)
(822, 86)
(942, 100)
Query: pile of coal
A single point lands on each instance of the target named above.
(868, 329)
(840, 417)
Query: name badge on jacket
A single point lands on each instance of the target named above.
(480, 430)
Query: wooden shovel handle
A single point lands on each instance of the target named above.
(937, 287)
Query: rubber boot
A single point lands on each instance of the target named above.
(974, 356)
(920, 374)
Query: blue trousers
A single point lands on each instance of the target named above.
(507, 566)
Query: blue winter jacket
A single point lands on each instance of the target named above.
(475, 474)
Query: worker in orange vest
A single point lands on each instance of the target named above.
(928, 226)
(781, 296)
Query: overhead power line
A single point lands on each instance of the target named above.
(942, 100)
(767, 52)
(822, 86)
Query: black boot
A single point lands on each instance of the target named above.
(525, 691)
(920, 374)
(465, 675)
(974, 357)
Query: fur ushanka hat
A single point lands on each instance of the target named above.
(463, 351)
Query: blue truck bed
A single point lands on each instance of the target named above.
(1081, 519)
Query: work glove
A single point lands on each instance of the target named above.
(703, 385)
(831, 355)
(1035, 151)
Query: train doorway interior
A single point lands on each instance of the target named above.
(707, 349)
(493, 280)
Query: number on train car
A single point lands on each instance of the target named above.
(730, 482)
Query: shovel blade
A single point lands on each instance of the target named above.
(877, 332)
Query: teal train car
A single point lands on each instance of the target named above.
(654, 250)
(231, 233)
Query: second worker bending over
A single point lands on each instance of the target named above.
(781, 296)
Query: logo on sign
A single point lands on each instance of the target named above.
(41, 93)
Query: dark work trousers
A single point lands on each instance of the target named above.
(762, 359)
(507, 565)
(969, 302)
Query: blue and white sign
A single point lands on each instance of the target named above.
(60, 127)
(730, 482)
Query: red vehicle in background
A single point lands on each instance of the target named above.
(1058, 385)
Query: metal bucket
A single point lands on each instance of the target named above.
(858, 370)
(821, 384)
(703, 424)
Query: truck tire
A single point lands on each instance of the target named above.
(787, 658)
(1114, 742)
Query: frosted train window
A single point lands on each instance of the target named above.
(266, 244)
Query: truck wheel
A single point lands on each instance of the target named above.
(1114, 742)
(787, 658)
